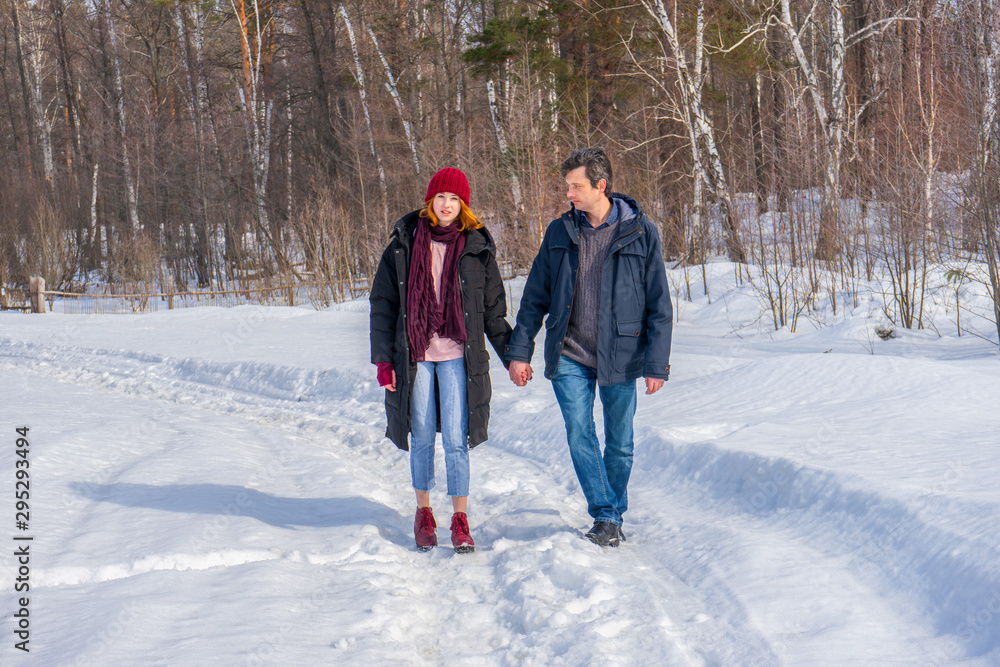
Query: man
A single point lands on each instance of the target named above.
(600, 280)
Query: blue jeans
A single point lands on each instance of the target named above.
(450, 380)
(604, 479)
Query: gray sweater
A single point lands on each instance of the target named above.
(580, 343)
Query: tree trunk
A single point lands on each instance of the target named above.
(828, 244)
(929, 112)
(196, 94)
(757, 142)
(69, 84)
(119, 115)
(26, 85)
(329, 148)
(779, 179)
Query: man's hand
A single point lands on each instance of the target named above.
(520, 372)
(653, 385)
(392, 387)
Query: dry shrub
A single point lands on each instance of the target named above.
(134, 268)
(49, 249)
(337, 249)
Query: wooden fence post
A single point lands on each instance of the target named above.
(37, 291)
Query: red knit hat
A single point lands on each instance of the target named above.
(449, 179)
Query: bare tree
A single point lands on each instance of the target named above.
(27, 80)
(360, 76)
(393, 89)
(257, 103)
(985, 16)
(705, 152)
(825, 77)
(191, 30)
(118, 92)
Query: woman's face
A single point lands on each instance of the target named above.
(446, 206)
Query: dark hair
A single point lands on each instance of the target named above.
(597, 164)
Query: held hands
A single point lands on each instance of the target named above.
(520, 372)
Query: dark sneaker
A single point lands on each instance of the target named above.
(621, 534)
(604, 534)
(423, 529)
(460, 537)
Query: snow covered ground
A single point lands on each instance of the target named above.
(212, 486)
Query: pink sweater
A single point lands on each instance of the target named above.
(440, 349)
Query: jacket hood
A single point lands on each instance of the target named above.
(630, 213)
(629, 208)
(403, 229)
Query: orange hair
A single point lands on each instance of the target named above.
(466, 218)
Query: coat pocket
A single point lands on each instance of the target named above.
(628, 346)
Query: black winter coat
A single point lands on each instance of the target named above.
(484, 303)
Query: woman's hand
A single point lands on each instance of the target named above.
(520, 372)
(386, 375)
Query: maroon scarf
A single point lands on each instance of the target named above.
(425, 313)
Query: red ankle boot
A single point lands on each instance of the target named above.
(423, 529)
(460, 537)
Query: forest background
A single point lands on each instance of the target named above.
(155, 145)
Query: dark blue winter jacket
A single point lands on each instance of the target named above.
(636, 316)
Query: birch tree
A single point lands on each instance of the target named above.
(826, 85)
(256, 103)
(501, 136)
(359, 74)
(516, 56)
(118, 93)
(30, 61)
(708, 164)
(830, 117)
(393, 89)
(927, 97)
(26, 81)
(191, 29)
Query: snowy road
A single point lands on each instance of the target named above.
(213, 487)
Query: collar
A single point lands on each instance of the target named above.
(612, 218)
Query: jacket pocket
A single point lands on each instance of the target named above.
(628, 346)
(630, 328)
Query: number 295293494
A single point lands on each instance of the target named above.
(22, 481)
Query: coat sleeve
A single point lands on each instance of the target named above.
(495, 309)
(384, 300)
(535, 302)
(659, 311)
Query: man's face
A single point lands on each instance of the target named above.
(584, 196)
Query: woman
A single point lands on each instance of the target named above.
(436, 297)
